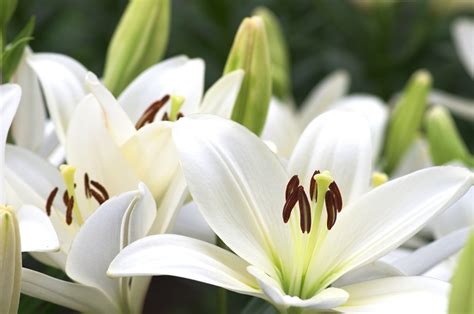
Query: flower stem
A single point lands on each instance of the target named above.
(221, 292)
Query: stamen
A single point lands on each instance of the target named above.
(330, 209)
(179, 116)
(69, 208)
(50, 200)
(337, 196)
(292, 186)
(149, 115)
(87, 187)
(97, 197)
(165, 117)
(68, 172)
(379, 178)
(313, 186)
(289, 205)
(65, 198)
(101, 189)
(305, 210)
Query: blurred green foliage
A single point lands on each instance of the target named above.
(381, 47)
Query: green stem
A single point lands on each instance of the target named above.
(221, 292)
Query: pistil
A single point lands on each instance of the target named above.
(68, 173)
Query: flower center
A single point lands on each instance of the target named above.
(150, 113)
(92, 189)
(322, 190)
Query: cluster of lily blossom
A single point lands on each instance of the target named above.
(160, 181)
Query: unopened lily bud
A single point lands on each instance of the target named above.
(10, 261)
(250, 53)
(7, 7)
(406, 118)
(279, 54)
(443, 137)
(139, 41)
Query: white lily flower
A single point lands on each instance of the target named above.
(24, 228)
(115, 224)
(241, 188)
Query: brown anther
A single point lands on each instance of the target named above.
(87, 187)
(69, 208)
(330, 209)
(165, 117)
(101, 188)
(289, 205)
(96, 195)
(292, 186)
(50, 200)
(149, 115)
(305, 210)
(179, 116)
(337, 195)
(65, 197)
(313, 187)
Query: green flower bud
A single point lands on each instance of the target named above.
(7, 8)
(406, 118)
(461, 300)
(279, 54)
(10, 261)
(139, 41)
(443, 137)
(250, 53)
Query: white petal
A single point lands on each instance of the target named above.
(417, 157)
(190, 223)
(10, 95)
(281, 128)
(220, 97)
(373, 109)
(37, 232)
(341, 143)
(326, 299)
(323, 95)
(117, 121)
(88, 263)
(397, 295)
(62, 81)
(176, 76)
(238, 184)
(28, 126)
(176, 255)
(386, 217)
(91, 148)
(463, 108)
(71, 295)
(457, 216)
(463, 32)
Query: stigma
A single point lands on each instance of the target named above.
(322, 190)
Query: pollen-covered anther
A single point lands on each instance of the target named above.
(69, 208)
(50, 200)
(313, 186)
(305, 210)
(149, 114)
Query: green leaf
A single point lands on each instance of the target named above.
(461, 299)
(257, 305)
(7, 8)
(14, 51)
(250, 52)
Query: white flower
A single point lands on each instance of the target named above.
(243, 190)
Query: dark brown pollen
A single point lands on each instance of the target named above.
(330, 209)
(65, 197)
(87, 187)
(50, 200)
(313, 187)
(292, 186)
(289, 205)
(69, 208)
(101, 189)
(149, 115)
(337, 195)
(305, 210)
(97, 196)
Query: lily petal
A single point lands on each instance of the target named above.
(462, 107)
(29, 123)
(86, 263)
(384, 218)
(62, 81)
(190, 223)
(10, 95)
(179, 76)
(341, 143)
(417, 157)
(281, 128)
(397, 295)
(373, 109)
(37, 232)
(323, 95)
(239, 186)
(463, 32)
(72, 295)
(220, 97)
(184, 257)
(91, 148)
(326, 299)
